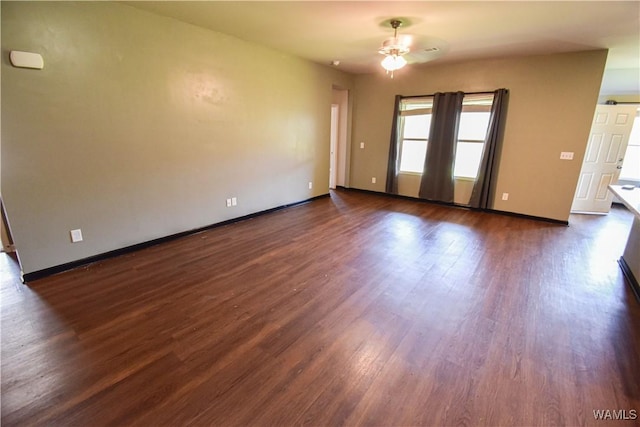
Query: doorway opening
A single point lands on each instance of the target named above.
(338, 146)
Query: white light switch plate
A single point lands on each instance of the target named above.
(566, 155)
(26, 59)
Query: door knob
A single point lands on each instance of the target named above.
(618, 167)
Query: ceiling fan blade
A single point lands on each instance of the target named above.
(421, 55)
(405, 40)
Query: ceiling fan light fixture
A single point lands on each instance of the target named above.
(393, 48)
(393, 62)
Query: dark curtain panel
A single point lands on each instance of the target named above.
(437, 179)
(394, 148)
(483, 189)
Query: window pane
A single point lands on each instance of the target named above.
(412, 156)
(417, 126)
(631, 164)
(468, 156)
(634, 138)
(473, 126)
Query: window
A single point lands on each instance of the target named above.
(415, 137)
(472, 132)
(631, 165)
(415, 123)
(468, 156)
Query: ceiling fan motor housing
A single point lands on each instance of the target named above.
(393, 46)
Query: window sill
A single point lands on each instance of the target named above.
(457, 178)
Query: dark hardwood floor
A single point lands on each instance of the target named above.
(351, 310)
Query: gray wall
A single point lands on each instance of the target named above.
(140, 126)
(551, 106)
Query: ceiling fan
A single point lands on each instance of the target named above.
(400, 50)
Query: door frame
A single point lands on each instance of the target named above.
(597, 170)
(341, 97)
(333, 146)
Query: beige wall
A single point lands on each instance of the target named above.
(140, 126)
(409, 185)
(552, 100)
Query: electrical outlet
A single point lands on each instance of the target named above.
(228, 203)
(373, 179)
(361, 144)
(505, 196)
(566, 155)
(234, 201)
(310, 185)
(76, 235)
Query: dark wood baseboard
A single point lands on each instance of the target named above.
(39, 274)
(402, 197)
(533, 217)
(453, 205)
(628, 274)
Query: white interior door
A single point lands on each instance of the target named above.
(603, 159)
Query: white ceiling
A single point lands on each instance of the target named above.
(352, 31)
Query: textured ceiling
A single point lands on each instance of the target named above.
(351, 32)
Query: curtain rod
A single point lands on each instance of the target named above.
(466, 93)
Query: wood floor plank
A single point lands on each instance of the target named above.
(352, 310)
